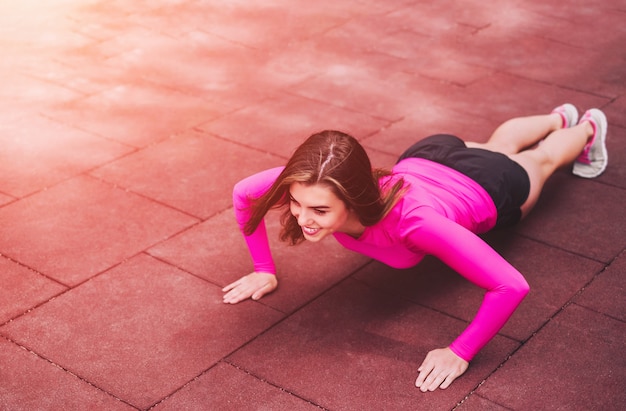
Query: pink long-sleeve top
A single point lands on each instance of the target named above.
(440, 214)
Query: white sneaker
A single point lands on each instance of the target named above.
(568, 113)
(593, 160)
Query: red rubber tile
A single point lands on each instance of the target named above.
(336, 57)
(136, 113)
(140, 331)
(477, 403)
(29, 382)
(614, 113)
(606, 293)
(547, 26)
(380, 159)
(401, 37)
(551, 21)
(226, 388)
(615, 174)
(192, 172)
(350, 10)
(215, 250)
(78, 73)
(22, 289)
(365, 35)
(451, 18)
(83, 226)
(576, 362)
(354, 347)
(225, 75)
(50, 156)
(572, 210)
(491, 98)
(427, 120)
(23, 89)
(554, 277)
(293, 120)
(258, 25)
(5, 199)
(377, 90)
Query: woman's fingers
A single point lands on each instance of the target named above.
(439, 369)
(231, 286)
(430, 380)
(254, 286)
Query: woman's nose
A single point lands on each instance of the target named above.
(303, 218)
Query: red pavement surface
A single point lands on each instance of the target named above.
(125, 124)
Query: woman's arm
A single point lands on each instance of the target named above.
(470, 256)
(263, 279)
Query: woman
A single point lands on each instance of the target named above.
(437, 198)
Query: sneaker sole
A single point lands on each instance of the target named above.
(583, 170)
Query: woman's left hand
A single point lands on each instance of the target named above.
(439, 369)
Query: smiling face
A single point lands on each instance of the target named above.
(320, 212)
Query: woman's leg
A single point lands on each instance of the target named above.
(518, 134)
(559, 148)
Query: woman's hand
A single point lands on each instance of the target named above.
(439, 369)
(254, 285)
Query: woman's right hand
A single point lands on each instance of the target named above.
(254, 285)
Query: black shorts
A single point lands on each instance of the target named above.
(505, 180)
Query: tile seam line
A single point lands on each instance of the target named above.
(99, 136)
(8, 195)
(569, 302)
(371, 149)
(273, 384)
(182, 386)
(427, 307)
(288, 315)
(66, 370)
(346, 108)
(565, 250)
(557, 85)
(89, 279)
(146, 251)
(70, 287)
(34, 307)
(593, 310)
(127, 189)
(80, 94)
(79, 284)
(467, 397)
(29, 268)
(84, 173)
(247, 146)
(115, 186)
(225, 358)
(182, 269)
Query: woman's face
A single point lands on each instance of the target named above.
(319, 211)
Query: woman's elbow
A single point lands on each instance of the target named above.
(521, 288)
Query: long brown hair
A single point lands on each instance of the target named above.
(340, 162)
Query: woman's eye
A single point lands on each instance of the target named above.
(320, 212)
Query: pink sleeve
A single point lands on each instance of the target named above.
(258, 244)
(470, 256)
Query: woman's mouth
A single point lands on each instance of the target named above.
(310, 231)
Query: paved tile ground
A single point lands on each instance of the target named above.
(125, 124)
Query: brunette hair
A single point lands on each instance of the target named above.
(338, 161)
